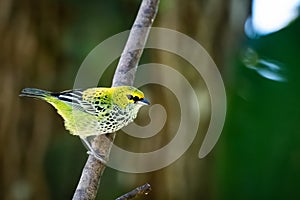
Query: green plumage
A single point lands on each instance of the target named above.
(93, 111)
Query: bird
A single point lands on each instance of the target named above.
(93, 111)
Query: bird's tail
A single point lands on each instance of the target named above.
(33, 92)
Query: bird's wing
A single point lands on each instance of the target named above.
(92, 101)
(71, 97)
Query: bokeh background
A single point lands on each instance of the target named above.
(257, 156)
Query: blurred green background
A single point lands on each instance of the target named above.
(257, 156)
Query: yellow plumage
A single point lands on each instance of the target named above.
(93, 111)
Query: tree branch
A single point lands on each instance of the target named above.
(137, 192)
(134, 47)
(124, 75)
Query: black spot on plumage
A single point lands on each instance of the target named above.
(136, 98)
(98, 108)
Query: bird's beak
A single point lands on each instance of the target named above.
(144, 102)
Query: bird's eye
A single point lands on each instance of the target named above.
(130, 97)
(134, 98)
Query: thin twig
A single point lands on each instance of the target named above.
(91, 174)
(137, 192)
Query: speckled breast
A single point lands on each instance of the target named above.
(117, 119)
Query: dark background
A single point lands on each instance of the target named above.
(257, 156)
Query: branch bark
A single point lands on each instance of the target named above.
(137, 192)
(91, 174)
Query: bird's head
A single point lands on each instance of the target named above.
(137, 97)
(128, 95)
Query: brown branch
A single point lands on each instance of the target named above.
(137, 192)
(91, 174)
(132, 52)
